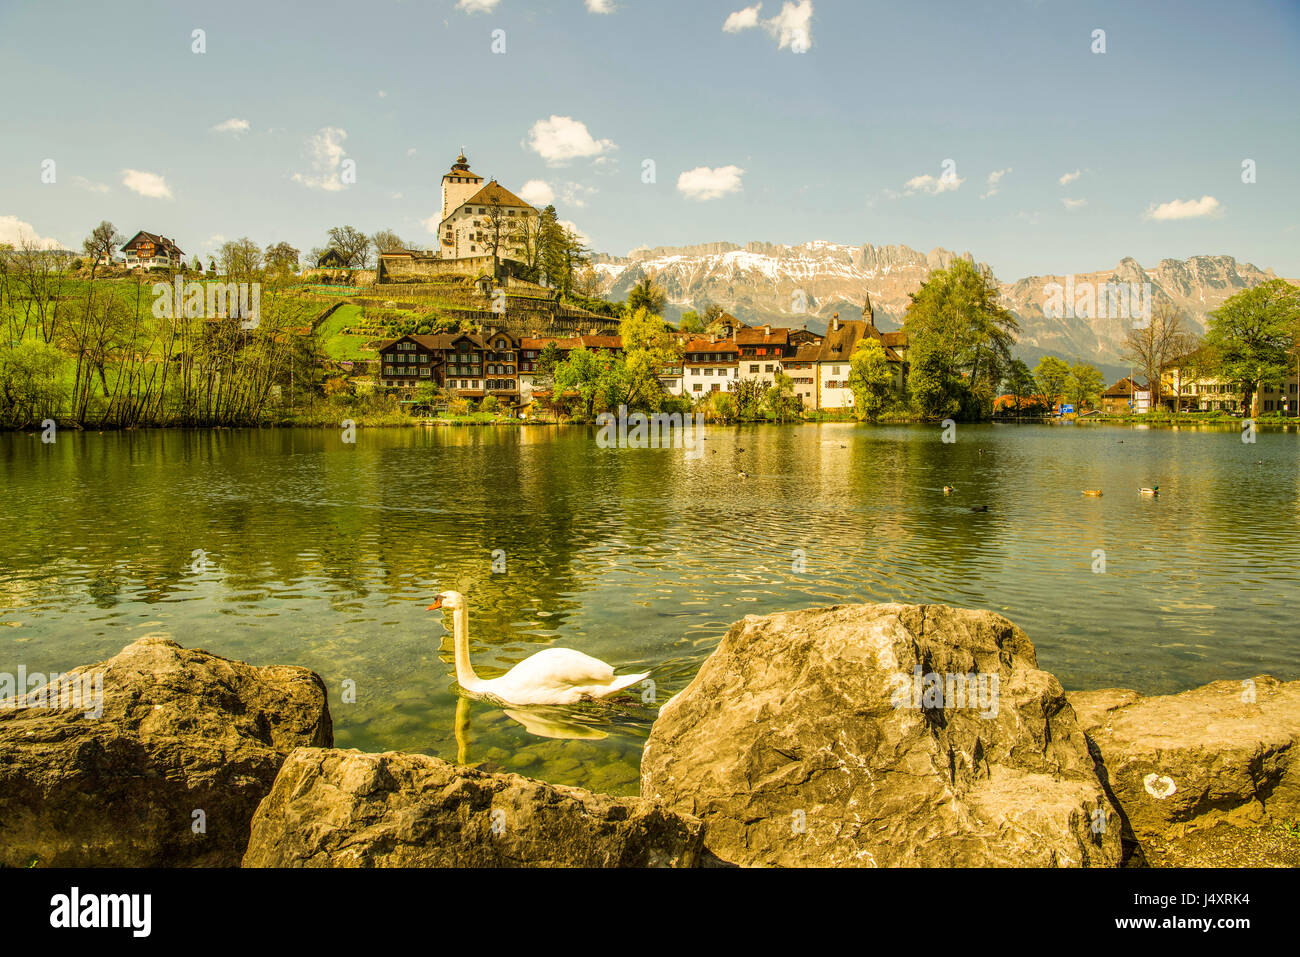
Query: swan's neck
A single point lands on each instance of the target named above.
(460, 634)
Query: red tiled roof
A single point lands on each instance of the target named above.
(708, 345)
(757, 337)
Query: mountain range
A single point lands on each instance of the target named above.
(805, 285)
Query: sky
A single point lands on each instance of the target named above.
(998, 127)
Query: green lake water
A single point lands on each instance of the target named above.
(326, 554)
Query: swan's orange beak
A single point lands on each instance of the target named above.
(437, 603)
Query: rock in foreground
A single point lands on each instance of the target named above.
(1225, 753)
(820, 737)
(181, 731)
(348, 809)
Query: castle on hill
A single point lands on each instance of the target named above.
(479, 219)
(482, 226)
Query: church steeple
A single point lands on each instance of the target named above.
(868, 313)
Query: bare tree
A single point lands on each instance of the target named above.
(101, 243)
(1153, 344)
(352, 244)
(387, 241)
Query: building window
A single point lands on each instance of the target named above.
(754, 367)
(767, 367)
(698, 387)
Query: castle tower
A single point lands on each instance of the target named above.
(458, 185)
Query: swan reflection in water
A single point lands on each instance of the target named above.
(544, 722)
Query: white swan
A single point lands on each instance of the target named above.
(552, 676)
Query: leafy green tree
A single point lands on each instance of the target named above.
(960, 341)
(31, 387)
(1084, 386)
(783, 403)
(870, 379)
(720, 406)
(690, 323)
(1053, 376)
(646, 295)
(648, 348)
(1253, 337)
(750, 398)
(282, 258)
(597, 377)
(1019, 383)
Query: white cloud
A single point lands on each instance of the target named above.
(432, 223)
(600, 6)
(742, 19)
(792, 27)
(1068, 178)
(1074, 203)
(14, 231)
(704, 183)
(146, 184)
(411, 151)
(1186, 209)
(326, 148)
(541, 193)
(995, 182)
(538, 192)
(382, 94)
(89, 185)
(232, 125)
(934, 185)
(477, 6)
(562, 138)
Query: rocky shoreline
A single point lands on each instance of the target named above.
(861, 735)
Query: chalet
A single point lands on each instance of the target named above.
(332, 259)
(150, 251)
(1125, 397)
(709, 365)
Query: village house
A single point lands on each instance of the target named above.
(761, 352)
(532, 347)
(1185, 388)
(709, 365)
(801, 367)
(1125, 397)
(150, 251)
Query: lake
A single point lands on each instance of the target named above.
(292, 547)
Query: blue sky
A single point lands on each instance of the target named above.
(779, 145)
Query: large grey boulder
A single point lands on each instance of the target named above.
(169, 773)
(1225, 753)
(818, 737)
(348, 809)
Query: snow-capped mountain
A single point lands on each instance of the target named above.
(807, 284)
